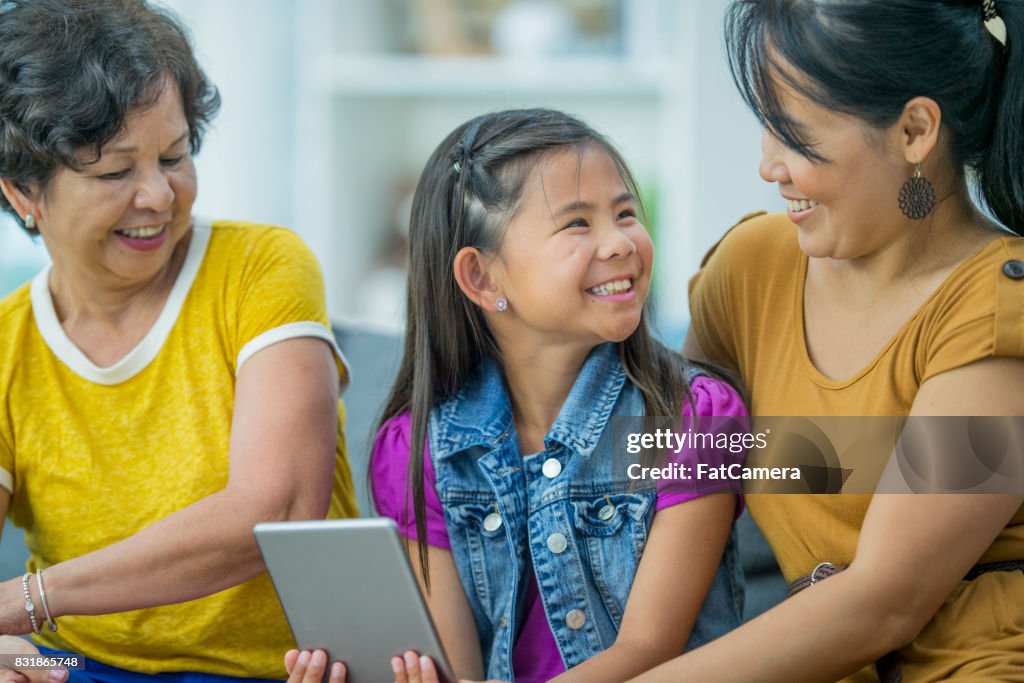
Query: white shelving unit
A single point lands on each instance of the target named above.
(367, 120)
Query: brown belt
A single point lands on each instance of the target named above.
(888, 666)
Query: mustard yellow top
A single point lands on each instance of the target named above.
(747, 310)
(92, 455)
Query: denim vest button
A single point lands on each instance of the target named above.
(551, 468)
(606, 513)
(492, 522)
(575, 619)
(557, 543)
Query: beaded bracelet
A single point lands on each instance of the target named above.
(29, 607)
(50, 621)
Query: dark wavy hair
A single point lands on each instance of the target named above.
(446, 334)
(71, 71)
(868, 58)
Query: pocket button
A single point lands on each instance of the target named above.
(606, 513)
(492, 522)
(557, 543)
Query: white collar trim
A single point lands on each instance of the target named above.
(142, 355)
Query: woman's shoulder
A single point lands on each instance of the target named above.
(991, 282)
(714, 397)
(15, 325)
(16, 306)
(275, 260)
(976, 312)
(225, 234)
(754, 238)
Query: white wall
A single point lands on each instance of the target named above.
(261, 160)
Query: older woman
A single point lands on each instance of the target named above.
(168, 382)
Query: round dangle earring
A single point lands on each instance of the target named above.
(917, 196)
(501, 304)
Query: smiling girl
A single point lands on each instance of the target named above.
(526, 339)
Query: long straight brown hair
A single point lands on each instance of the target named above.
(468, 192)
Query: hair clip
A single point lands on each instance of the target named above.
(993, 22)
(458, 167)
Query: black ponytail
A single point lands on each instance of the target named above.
(1000, 172)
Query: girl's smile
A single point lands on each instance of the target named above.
(575, 263)
(619, 289)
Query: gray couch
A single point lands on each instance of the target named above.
(374, 359)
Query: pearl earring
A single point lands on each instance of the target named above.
(30, 222)
(501, 304)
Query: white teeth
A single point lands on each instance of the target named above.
(142, 233)
(613, 287)
(800, 204)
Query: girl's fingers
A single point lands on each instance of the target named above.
(317, 667)
(289, 660)
(428, 670)
(412, 666)
(338, 672)
(398, 666)
(299, 662)
(306, 667)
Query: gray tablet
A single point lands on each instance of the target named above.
(347, 587)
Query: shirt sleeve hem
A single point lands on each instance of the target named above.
(294, 331)
(672, 499)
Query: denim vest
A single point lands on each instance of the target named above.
(559, 509)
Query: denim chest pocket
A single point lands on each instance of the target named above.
(612, 531)
(479, 531)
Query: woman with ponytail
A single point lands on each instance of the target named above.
(892, 286)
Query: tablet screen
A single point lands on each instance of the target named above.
(346, 587)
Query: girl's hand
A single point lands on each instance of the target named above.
(411, 668)
(308, 667)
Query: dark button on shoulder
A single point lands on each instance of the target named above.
(1014, 269)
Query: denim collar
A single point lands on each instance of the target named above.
(480, 414)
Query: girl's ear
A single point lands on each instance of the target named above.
(473, 273)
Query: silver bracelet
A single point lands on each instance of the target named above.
(50, 621)
(29, 607)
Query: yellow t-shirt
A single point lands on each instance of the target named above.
(747, 310)
(92, 455)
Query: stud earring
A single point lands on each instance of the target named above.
(30, 222)
(917, 196)
(501, 304)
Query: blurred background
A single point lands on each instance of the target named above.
(331, 108)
